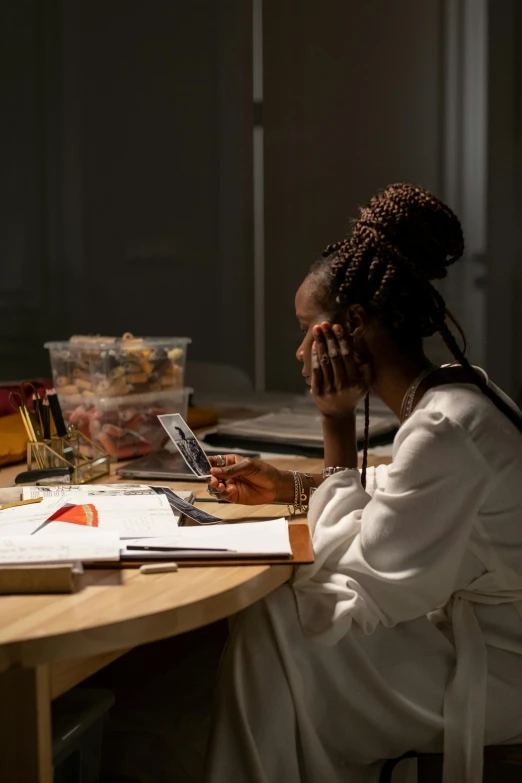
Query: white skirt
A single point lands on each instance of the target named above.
(292, 710)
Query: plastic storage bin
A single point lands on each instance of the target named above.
(113, 390)
(77, 719)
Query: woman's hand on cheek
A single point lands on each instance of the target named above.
(337, 382)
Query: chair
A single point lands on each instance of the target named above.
(429, 765)
(77, 719)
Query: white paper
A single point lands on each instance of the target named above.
(24, 520)
(66, 492)
(244, 538)
(153, 522)
(67, 530)
(129, 514)
(49, 549)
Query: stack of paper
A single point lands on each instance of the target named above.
(298, 429)
(93, 547)
(131, 510)
(37, 533)
(97, 523)
(240, 539)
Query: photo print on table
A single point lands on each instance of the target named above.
(177, 503)
(187, 444)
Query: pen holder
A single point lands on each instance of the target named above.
(87, 460)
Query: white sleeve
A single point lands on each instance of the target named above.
(376, 478)
(396, 556)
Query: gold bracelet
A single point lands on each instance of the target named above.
(300, 498)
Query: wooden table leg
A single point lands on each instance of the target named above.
(25, 726)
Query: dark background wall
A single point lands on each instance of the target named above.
(126, 157)
(126, 165)
(353, 101)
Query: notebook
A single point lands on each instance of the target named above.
(228, 541)
(295, 430)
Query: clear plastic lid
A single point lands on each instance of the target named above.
(125, 343)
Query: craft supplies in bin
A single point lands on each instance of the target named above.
(128, 426)
(113, 389)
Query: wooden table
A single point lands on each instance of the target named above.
(50, 643)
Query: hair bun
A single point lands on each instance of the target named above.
(425, 235)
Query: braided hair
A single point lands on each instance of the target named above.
(403, 239)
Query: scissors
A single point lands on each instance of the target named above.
(19, 401)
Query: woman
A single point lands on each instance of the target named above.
(406, 632)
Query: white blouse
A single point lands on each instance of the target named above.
(439, 532)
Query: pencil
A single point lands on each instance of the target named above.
(59, 423)
(35, 417)
(25, 423)
(24, 413)
(132, 548)
(46, 419)
(30, 428)
(17, 503)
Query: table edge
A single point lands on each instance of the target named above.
(148, 627)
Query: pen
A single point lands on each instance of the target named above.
(176, 549)
(210, 500)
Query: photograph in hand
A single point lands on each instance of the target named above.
(186, 443)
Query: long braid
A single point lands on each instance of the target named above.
(366, 439)
(404, 238)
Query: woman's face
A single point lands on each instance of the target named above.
(309, 314)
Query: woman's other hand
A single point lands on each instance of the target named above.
(249, 481)
(337, 382)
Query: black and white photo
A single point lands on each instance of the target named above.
(189, 510)
(186, 443)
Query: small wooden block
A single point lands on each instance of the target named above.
(25, 579)
(158, 568)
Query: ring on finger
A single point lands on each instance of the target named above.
(324, 359)
(220, 461)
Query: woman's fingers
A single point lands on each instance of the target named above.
(335, 356)
(239, 467)
(324, 359)
(317, 373)
(230, 494)
(218, 488)
(230, 459)
(344, 346)
(352, 371)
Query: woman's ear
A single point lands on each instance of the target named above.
(356, 321)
